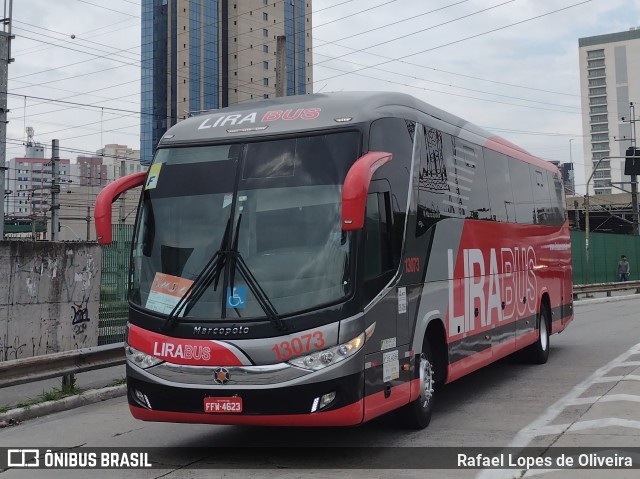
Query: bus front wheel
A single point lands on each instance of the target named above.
(417, 414)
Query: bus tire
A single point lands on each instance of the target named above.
(538, 352)
(417, 414)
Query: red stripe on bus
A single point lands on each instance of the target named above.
(349, 415)
(204, 352)
(377, 404)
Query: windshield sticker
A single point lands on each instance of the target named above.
(390, 366)
(166, 291)
(226, 201)
(239, 297)
(152, 176)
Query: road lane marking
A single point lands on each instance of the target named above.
(542, 424)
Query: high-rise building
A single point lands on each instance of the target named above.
(609, 83)
(205, 54)
(28, 186)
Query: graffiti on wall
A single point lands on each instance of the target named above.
(80, 317)
(50, 293)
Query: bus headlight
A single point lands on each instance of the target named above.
(327, 357)
(140, 359)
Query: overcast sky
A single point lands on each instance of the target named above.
(510, 66)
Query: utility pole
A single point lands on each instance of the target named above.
(55, 190)
(5, 59)
(88, 218)
(634, 178)
(281, 78)
(123, 171)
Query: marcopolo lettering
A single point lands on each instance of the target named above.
(220, 331)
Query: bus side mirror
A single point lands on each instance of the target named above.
(110, 193)
(356, 187)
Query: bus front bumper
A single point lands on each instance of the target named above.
(273, 405)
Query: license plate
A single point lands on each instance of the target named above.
(223, 405)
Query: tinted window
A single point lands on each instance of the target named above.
(521, 183)
(556, 193)
(432, 178)
(541, 196)
(467, 181)
(394, 135)
(499, 184)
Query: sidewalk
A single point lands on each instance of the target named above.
(97, 385)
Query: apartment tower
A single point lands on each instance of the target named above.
(609, 83)
(199, 55)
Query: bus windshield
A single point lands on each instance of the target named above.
(287, 193)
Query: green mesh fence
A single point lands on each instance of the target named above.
(604, 253)
(113, 287)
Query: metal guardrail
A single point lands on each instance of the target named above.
(21, 371)
(605, 288)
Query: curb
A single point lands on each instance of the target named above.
(608, 299)
(88, 397)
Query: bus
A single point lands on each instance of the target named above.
(321, 260)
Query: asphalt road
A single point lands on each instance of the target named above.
(588, 394)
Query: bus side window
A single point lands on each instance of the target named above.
(541, 196)
(379, 260)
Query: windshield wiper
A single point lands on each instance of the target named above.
(209, 274)
(237, 262)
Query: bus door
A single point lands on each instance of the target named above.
(387, 351)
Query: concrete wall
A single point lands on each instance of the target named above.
(49, 297)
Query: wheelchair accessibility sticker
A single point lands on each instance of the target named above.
(239, 297)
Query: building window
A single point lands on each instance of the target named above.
(265, 16)
(603, 192)
(602, 174)
(595, 63)
(265, 65)
(601, 183)
(597, 91)
(265, 32)
(265, 81)
(596, 73)
(599, 119)
(265, 48)
(595, 54)
(265, 96)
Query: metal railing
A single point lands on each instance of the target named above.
(588, 289)
(37, 368)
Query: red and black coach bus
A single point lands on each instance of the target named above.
(321, 260)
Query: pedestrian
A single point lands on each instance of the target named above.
(623, 269)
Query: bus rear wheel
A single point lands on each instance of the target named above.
(538, 352)
(417, 414)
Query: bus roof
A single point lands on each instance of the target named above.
(304, 113)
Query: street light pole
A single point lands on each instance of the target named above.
(586, 216)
